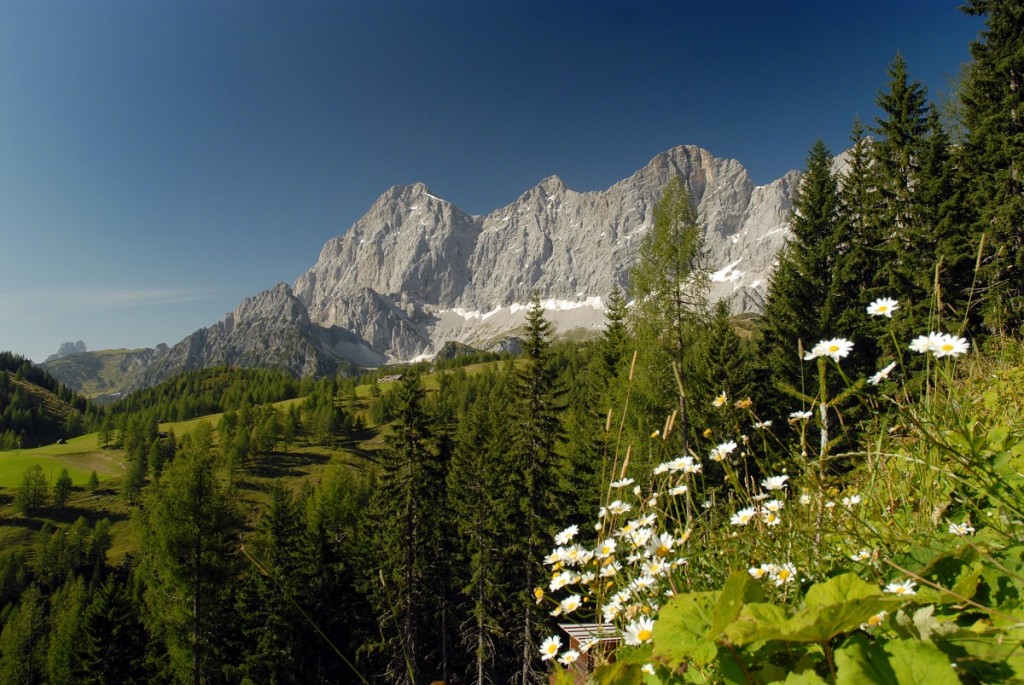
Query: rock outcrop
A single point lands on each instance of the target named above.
(416, 272)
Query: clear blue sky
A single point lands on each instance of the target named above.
(161, 160)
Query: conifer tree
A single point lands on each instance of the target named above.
(62, 489)
(65, 619)
(477, 513)
(725, 369)
(31, 493)
(111, 644)
(907, 257)
(799, 309)
(405, 516)
(993, 113)
(188, 528)
(534, 483)
(668, 286)
(23, 641)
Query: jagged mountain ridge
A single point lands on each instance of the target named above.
(415, 263)
(416, 271)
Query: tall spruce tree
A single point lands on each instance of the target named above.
(23, 641)
(111, 646)
(908, 251)
(406, 515)
(479, 517)
(534, 481)
(993, 114)
(801, 306)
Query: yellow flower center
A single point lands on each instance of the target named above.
(784, 574)
(662, 551)
(875, 620)
(644, 635)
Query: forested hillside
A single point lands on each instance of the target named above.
(835, 498)
(35, 408)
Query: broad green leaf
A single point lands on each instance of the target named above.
(996, 649)
(805, 678)
(756, 622)
(821, 623)
(896, 662)
(619, 673)
(920, 663)
(861, 661)
(739, 589)
(839, 590)
(681, 631)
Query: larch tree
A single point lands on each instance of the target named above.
(668, 285)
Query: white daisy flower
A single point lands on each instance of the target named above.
(763, 424)
(925, 343)
(648, 668)
(560, 580)
(961, 529)
(904, 587)
(743, 516)
(799, 415)
(639, 631)
(851, 501)
(874, 621)
(549, 648)
(618, 484)
(569, 657)
(722, 450)
(567, 535)
(836, 348)
(570, 603)
(605, 548)
(720, 400)
(883, 306)
(786, 573)
(805, 499)
(882, 375)
(775, 482)
(951, 346)
(678, 490)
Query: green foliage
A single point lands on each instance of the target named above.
(35, 408)
(23, 641)
(62, 489)
(992, 99)
(31, 494)
(188, 527)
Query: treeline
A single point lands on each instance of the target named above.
(210, 391)
(25, 420)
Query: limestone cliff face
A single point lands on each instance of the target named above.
(269, 330)
(416, 272)
(400, 273)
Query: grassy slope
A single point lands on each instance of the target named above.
(83, 454)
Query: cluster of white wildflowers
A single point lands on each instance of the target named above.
(628, 573)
